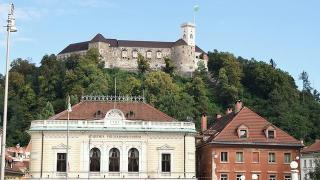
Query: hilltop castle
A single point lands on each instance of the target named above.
(123, 54)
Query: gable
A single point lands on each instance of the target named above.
(256, 127)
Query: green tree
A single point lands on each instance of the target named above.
(169, 66)
(315, 175)
(46, 112)
(143, 64)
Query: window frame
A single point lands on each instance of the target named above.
(149, 52)
(275, 177)
(112, 159)
(236, 159)
(222, 156)
(166, 161)
(65, 162)
(284, 157)
(99, 159)
(258, 156)
(133, 169)
(285, 177)
(275, 161)
(224, 178)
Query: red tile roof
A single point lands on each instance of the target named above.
(225, 130)
(313, 148)
(86, 110)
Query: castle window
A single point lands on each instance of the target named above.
(135, 54)
(124, 54)
(159, 54)
(149, 54)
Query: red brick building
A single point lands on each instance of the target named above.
(244, 143)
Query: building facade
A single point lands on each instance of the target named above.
(242, 143)
(110, 138)
(308, 157)
(123, 54)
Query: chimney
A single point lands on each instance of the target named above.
(204, 122)
(229, 110)
(218, 116)
(238, 106)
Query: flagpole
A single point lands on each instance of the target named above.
(68, 112)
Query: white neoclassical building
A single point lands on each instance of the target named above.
(110, 138)
(308, 157)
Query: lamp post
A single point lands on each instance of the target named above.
(242, 177)
(294, 170)
(10, 28)
(254, 177)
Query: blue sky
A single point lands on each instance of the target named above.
(287, 31)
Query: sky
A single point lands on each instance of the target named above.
(288, 31)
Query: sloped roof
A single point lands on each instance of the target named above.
(313, 148)
(86, 110)
(225, 130)
(124, 43)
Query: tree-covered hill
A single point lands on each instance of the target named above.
(39, 92)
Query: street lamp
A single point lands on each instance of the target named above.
(294, 170)
(254, 177)
(10, 28)
(242, 177)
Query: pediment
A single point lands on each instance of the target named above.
(60, 146)
(165, 147)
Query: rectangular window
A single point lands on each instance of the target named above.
(239, 156)
(238, 177)
(149, 54)
(272, 157)
(224, 156)
(134, 54)
(124, 54)
(310, 163)
(61, 162)
(243, 133)
(272, 177)
(159, 55)
(166, 163)
(224, 177)
(287, 177)
(271, 134)
(255, 157)
(287, 158)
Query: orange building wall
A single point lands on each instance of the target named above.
(232, 168)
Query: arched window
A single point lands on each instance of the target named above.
(114, 160)
(191, 36)
(95, 160)
(133, 160)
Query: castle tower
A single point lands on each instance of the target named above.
(189, 33)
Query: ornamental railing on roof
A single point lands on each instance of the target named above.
(113, 98)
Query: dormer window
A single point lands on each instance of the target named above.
(243, 131)
(270, 131)
(271, 134)
(124, 54)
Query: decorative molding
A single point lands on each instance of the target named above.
(113, 98)
(61, 146)
(165, 147)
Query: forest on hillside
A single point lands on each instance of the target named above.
(39, 92)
